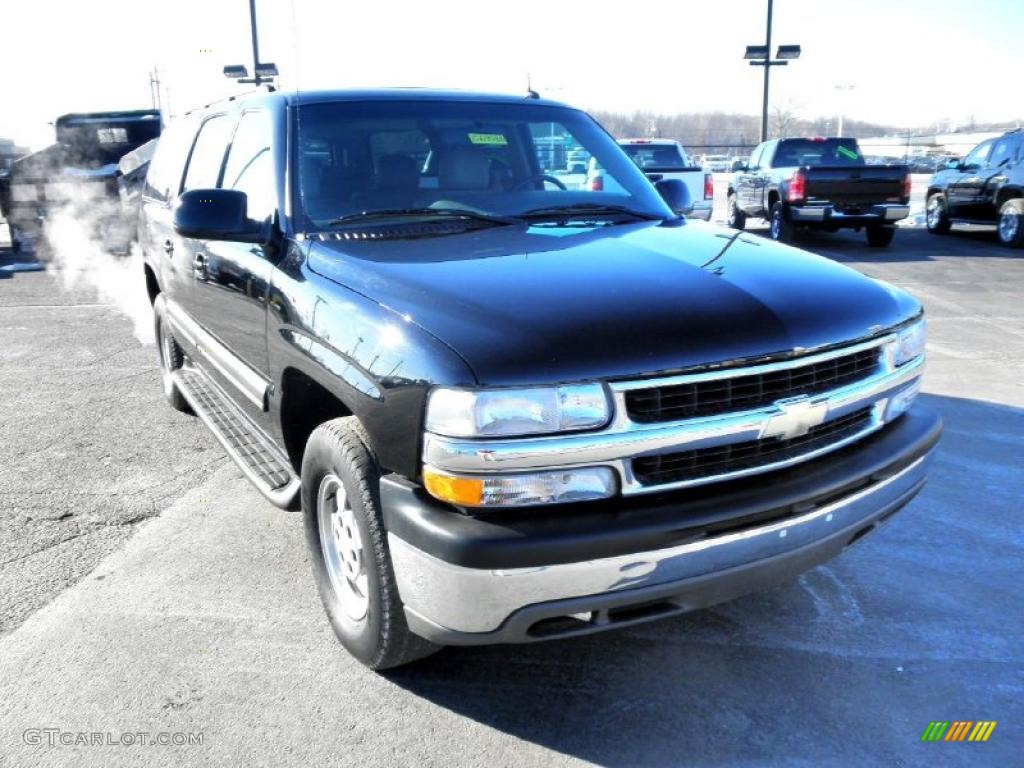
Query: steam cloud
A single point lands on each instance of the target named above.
(76, 234)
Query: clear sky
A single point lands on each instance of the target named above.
(911, 62)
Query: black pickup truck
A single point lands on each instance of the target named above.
(512, 411)
(986, 187)
(819, 183)
(79, 173)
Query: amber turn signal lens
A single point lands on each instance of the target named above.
(456, 490)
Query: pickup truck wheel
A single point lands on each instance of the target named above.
(779, 227)
(736, 218)
(348, 546)
(936, 217)
(879, 235)
(1011, 223)
(170, 355)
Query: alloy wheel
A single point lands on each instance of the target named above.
(342, 546)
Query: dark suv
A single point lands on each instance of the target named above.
(986, 187)
(512, 409)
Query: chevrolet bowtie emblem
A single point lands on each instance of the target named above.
(798, 415)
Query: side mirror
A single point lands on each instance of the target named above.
(953, 165)
(739, 166)
(675, 193)
(217, 214)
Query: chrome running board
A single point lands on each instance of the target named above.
(255, 455)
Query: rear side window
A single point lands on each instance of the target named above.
(168, 164)
(208, 154)
(249, 165)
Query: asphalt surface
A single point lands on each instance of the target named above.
(146, 587)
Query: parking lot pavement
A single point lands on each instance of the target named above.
(206, 619)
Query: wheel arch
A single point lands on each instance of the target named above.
(152, 283)
(305, 405)
(1008, 193)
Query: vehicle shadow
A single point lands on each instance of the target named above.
(911, 244)
(839, 667)
(12, 262)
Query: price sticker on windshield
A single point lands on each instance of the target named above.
(488, 139)
(848, 153)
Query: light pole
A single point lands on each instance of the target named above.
(759, 56)
(849, 87)
(262, 71)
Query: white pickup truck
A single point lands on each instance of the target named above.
(666, 159)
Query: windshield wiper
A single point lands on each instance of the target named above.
(444, 213)
(582, 210)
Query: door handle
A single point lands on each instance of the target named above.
(199, 265)
(168, 247)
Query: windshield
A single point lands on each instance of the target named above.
(492, 159)
(811, 152)
(660, 157)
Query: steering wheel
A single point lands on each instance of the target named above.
(539, 177)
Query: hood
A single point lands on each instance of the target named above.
(525, 305)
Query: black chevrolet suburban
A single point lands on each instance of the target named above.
(819, 183)
(508, 408)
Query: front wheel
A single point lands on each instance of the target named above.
(736, 218)
(879, 236)
(936, 215)
(780, 228)
(348, 546)
(1011, 223)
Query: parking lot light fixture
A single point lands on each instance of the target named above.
(759, 56)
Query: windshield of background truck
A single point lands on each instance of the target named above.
(656, 157)
(493, 159)
(812, 152)
(97, 142)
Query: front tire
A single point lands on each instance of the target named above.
(1011, 223)
(735, 218)
(879, 235)
(936, 215)
(348, 546)
(780, 228)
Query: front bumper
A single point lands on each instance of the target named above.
(556, 572)
(827, 214)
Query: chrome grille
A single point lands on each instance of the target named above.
(727, 395)
(737, 457)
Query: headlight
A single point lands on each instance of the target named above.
(910, 342)
(515, 412)
(555, 487)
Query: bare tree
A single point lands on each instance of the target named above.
(783, 120)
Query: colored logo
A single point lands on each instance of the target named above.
(958, 730)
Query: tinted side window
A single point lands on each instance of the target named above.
(250, 166)
(1003, 151)
(168, 164)
(977, 156)
(208, 154)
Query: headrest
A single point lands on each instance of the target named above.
(464, 168)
